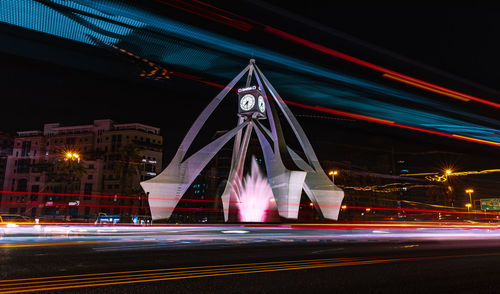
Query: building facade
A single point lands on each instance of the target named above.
(77, 172)
(6, 144)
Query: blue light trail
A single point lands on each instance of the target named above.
(173, 43)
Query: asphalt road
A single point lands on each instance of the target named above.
(146, 264)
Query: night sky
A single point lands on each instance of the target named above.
(47, 79)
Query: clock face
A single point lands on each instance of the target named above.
(247, 102)
(262, 104)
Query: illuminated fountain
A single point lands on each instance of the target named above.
(253, 195)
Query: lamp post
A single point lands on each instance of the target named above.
(333, 173)
(72, 156)
(470, 191)
(468, 205)
(312, 210)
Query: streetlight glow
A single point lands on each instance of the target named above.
(333, 173)
(72, 156)
(469, 191)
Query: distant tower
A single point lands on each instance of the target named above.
(256, 103)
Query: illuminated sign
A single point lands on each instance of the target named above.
(490, 204)
(247, 89)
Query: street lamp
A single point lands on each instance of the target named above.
(470, 191)
(333, 173)
(72, 156)
(468, 205)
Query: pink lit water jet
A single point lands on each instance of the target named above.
(254, 195)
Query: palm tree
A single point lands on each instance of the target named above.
(65, 177)
(128, 165)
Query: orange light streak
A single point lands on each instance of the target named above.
(408, 82)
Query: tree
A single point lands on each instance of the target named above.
(128, 165)
(65, 177)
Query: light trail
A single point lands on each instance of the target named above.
(116, 278)
(154, 275)
(95, 24)
(408, 82)
(401, 77)
(462, 173)
(318, 47)
(390, 123)
(321, 108)
(218, 210)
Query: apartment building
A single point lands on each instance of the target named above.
(77, 172)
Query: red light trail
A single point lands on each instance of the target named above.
(372, 208)
(246, 24)
(390, 123)
(388, 73)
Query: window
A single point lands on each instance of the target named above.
(23, 165)
(22, 185)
